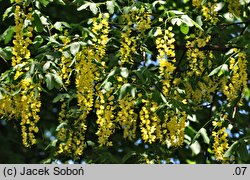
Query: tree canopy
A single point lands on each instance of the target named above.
(124, 81)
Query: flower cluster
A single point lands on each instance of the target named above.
(25, 107)
(7, 102)
(85, 80)
(105, 107)
(66, 60)
(127, 117)
(168, 131)
(166, 56)
(174, 127)
(238, 82)
(137, 20)
(29, 108)
(71, 140)
(128, 47)
(21, 39)
(196, 3)
(220, 144)
(101, 31)
(208, 10)
(234, 7)
(195, 56)
(150, 122)
(197, 61)
(143, 21)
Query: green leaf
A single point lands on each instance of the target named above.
(61, 125)
(176, 12)
(38, 26)
(90, 143)
(197, 25)
(133, 91)
(47, 161)
(7, 12)
(1, 96)
(231, 149)
(6, 53)
(158, 2)
(60, 2)
(199, 21)
(187, 20)
(195, 147)
(49, 82)
(203, 132)
(243, 152)
(57, 79)
(93, 8)
(124, 72)
(16, 92)
(37, 42)
(84, 6)
(223, 68)
(74, 48)
(107, 85)
(46, 66)
(124, 90)
(8, 34)
(60, 25)
(176, 21)
(60, 97)
(110, 6)
(44, 2)
(128, 156)
(184, 28)
(2, 54)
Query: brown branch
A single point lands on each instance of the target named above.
(210, 47)
(236, 23)
(244, 28)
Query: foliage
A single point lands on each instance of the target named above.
(125, 81)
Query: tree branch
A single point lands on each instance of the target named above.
(236, 23)
(211, 47)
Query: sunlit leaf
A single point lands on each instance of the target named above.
(110, 6)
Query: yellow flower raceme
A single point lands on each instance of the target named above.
(136, 20)
(220, 144)
(237, 83)
(66, 60)
(101, 30)
(29, 107)
(173, 128)
(127, 117)
(197, 61)
(234, 7)
(85, 81)
(26, 104)
(150, 122)
(196, 3)
(71, 135)
(105, 117)
(88, 71)
(166, 56)
(21, 40)
(128, 47)
(209, 12)
(168, 131)
(195, 56)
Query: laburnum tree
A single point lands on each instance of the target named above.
(124, 81)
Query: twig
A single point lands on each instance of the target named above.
(211, 47)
